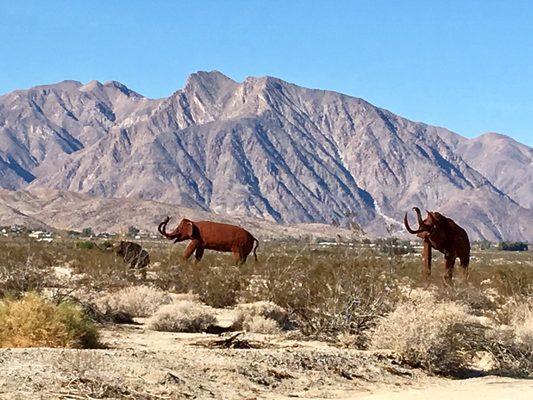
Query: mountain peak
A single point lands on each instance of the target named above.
(91, 86)
(123, 88)
(208, 78)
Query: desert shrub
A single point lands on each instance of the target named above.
(214, 281)
(518, 314)
(480, 300)
(137, 301)
(511, 348)
(25, 266)
(219, 285)
(34, 322)
(98, 269)
(524, 330)
(85, 244)
(514, 283)
(440, 336)
(184, 316)
(260, 324)
(190, 296)
(325, 296)
(15, 279)
(260, 317)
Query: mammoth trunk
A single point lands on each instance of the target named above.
(162, 228)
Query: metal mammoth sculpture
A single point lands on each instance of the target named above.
(443, 234)
(207, 235)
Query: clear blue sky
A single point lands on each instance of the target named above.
(466, 65)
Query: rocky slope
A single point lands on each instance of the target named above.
(263, 148)
(507, 163)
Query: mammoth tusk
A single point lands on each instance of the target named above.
(419, 217)
(406, 223)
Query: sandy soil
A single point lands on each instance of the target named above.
(142, 364)
(486, 388)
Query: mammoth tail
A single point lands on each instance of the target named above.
(255, 248)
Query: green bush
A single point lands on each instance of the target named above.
(85, 244)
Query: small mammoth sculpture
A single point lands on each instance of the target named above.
(443, 234)
(134, 255)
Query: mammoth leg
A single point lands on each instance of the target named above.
(464, 265)
(426, 255)
(237, 257)
(192, 246)
(449, 262)
(142, 264)
(199, 253)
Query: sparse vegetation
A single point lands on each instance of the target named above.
(137, 301)
(85, 244)
(261, 317)
(183, 316)
(444, 337)
(440, 336)
(339, 292)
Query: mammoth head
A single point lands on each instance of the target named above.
(434, 218)
(428, 225)
(120, 247)
(185, 230)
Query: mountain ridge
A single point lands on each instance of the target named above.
(262, 147)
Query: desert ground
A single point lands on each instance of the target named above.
(330, 303)
(143, 364)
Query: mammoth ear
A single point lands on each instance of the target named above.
(188, 228)
(436, 217)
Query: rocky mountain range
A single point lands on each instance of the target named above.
(266, 149)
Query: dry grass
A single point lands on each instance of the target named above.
(34, 322)
(184, 316)
(521, 322)
(524, 332)
(261, 317)
(445, 337)
(137, 301)
(439, 336)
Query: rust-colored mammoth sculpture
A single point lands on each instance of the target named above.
(443, 234)
(211, 236)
